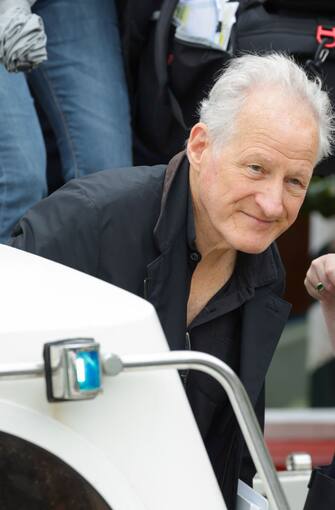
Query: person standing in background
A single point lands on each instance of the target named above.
(82, 90)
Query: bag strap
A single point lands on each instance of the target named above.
(162, 37)
(325, 37)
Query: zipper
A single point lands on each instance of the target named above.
(184, 373)
(285, 31)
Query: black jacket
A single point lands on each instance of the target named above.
(128, 226)
(321, 495)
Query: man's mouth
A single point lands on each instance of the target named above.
(257, 219)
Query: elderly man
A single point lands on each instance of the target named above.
(195, 238)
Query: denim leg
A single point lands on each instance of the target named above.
(22, 152)
(81, 86)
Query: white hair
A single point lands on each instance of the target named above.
(219, 110)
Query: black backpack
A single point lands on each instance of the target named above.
(168, 78)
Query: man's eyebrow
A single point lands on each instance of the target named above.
(268, 160)
(257, 155)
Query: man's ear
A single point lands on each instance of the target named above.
(197, 143)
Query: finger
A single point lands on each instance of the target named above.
(314, 277)
(310, 287)
(329, 269)
(315, 286)
(317, 274)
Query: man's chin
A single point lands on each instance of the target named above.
(249, 242)
(253, 248)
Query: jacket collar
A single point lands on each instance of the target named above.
(173, 203)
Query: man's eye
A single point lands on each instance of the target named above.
(296, 182)
(255, 168)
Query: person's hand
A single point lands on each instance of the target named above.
(320, 284)
(320, 279)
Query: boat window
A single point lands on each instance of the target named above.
(32, 478)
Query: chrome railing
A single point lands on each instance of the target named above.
(181, 360)
(112, 365)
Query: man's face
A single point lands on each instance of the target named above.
(252, 190)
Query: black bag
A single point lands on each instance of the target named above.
(321, 495)
(167, 78)
(297, 29)
(173, 77)
(166, 83)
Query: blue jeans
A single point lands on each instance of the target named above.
(82, 90)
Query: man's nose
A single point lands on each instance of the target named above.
(270, 201)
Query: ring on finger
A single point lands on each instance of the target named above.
(319, 287)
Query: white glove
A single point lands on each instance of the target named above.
(22, 36)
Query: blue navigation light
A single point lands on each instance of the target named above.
(88, 370)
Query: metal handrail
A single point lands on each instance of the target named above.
(113, 365)
(181, 360)
(21, 371)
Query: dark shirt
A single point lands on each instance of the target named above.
(217, 330)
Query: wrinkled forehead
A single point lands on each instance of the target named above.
(275, 118)
(270, 100)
